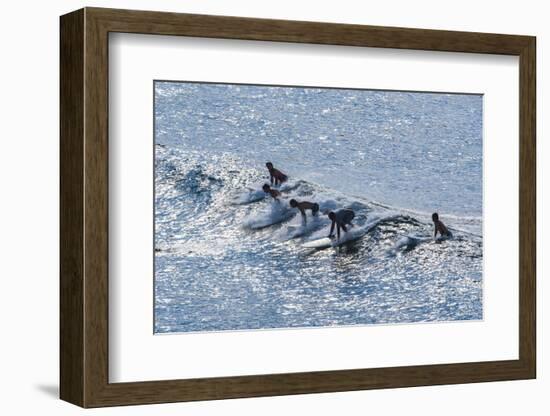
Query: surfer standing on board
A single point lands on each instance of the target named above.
(276, 177)
(340, 219)
(302, 206)
(275, 194)
(440, 227)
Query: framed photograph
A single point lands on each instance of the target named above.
(256, 207)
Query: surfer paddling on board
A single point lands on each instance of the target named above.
(340, 219)
(303, 205)
(275, 194)
(276, 177)
(440, 227)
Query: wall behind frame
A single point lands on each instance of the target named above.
(29, 209)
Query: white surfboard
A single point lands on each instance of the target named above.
(352, 235)
(249, 198)
(319, 243)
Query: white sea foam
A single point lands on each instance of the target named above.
(248, 197)
(277, 212)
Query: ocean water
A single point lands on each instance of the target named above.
(229, 258)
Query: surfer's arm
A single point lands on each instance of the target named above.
(303, 212)
(344, 228)
(331, 229)
(435, 232)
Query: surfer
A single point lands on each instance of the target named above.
(276, 177)
(440, 227)
(275, 194)
(340, 219)
(302, 206)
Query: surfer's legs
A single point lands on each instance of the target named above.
(348, 218)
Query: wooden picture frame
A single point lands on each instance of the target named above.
(84, 207)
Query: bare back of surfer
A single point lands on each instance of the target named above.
(303, 206)
(340, 219)
(276, 177)
(440, 227)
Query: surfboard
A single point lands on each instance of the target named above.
(249, 198)
(352, 235)
(319, 243)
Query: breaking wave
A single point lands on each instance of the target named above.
(218, 236)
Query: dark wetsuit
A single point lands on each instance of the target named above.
(342, 218)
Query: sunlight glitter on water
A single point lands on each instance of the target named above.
(391, 157)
